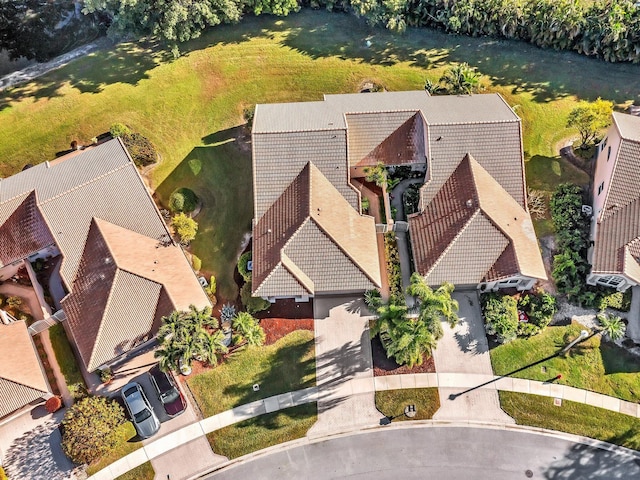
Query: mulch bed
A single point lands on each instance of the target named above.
(276, 328)
(386, 366)
(288, 308)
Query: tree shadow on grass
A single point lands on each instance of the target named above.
(127, 63)
(618, 360)
(585, 461)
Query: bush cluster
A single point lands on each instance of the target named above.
(607, 29)
(392, 256)
(243, 266)
(140, 148)
(501, 314)
(183, 200)
(252, 304)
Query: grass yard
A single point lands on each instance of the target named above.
(592, 365)
(143, 472)
(263, 431)
(571, 417)
(64, 355)
(126, 445)
(189, 107)
(287, 365)
(392, 402)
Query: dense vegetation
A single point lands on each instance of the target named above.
(607, 29)
(501, 314)
(570, 265)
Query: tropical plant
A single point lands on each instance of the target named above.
(373, 299)
(611, 326)
(243, 266)
(438, 302)
(405, 340)
(589, 118)
(185, 227)
(90, 428)
(500, 316)
(227, 312)
(377, 175)
(249, 328)
(184, 335)
(460, 79)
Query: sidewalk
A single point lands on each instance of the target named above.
(458, 381)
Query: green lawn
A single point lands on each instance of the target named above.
(393, 402)
(189, 107)
(126, 434)
(592, 365)
(287, 365)
(64, 355)
(263, 431)
(143, 472)
(571, 417)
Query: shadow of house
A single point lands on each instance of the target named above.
(618, 360)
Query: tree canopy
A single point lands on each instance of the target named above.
(589, 118)
(90, 428)
(185, 227)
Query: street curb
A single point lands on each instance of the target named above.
(423, 424)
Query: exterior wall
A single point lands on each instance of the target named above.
(604, 169)
(10, 270)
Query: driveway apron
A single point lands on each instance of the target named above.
(344, 368)
(464, 349)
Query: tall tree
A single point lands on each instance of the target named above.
(434, 302)
(589, 118)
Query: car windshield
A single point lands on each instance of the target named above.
(142, 416)
(171, 396)
(130, 391)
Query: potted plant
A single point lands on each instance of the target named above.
(106, 375)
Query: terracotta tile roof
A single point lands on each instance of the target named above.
(22, 379)
(24, 232)
(462, 234)
(395, 138)
(103, 320)
(312, 235)
(623, 187)
(615, 235)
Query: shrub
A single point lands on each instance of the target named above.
(140, 148)
(243, 264)
(77, 390)
(501, 316)
(3, 476)
(119, 129)
(211, 289)
(249, 113)
(183, 200)
(617, 300)
(105, 374)
(196, 263)
(539, 307)
(252, 304)
(227, 313)
(392, 256)
(89, 428)
(373, 299)
(14, 302)
(185, 227)
(53, 404)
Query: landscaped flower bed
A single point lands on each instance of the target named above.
(276, 328)
(394, 276)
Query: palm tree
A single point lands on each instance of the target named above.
(211, 346)
(248, 327)
(377, 174)
(438, 302)
(612, 326)
(461, 80)
(372, 299)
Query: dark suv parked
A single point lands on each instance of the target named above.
(168, 392)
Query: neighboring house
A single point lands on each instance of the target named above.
(473, 227)
(119, 265)
(23, 382)
(615, 256)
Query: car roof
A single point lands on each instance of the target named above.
(133, 396)
(162, 379)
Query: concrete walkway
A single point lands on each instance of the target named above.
(465, 350)
(457, 381)
(633, 328)
(344, 368)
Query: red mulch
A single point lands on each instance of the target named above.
(276, 328)
(387, 366)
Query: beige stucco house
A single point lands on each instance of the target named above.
(310, 237)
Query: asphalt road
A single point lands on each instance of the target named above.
(451, 453)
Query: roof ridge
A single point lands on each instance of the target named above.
(476, 122)
(452, 242)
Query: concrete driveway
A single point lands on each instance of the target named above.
(30, 446)
(182, 462)
(464, 349)
(344, 369)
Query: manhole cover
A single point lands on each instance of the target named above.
(528, 473)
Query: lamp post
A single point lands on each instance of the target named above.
(409, 412)
(583, 334)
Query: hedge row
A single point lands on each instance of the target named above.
(608, 29)
(392, 256)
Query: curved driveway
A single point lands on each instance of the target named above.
(452, 453)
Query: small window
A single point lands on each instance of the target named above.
(608, 154)
(600, 188)
(610, 281)
(604, 143)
